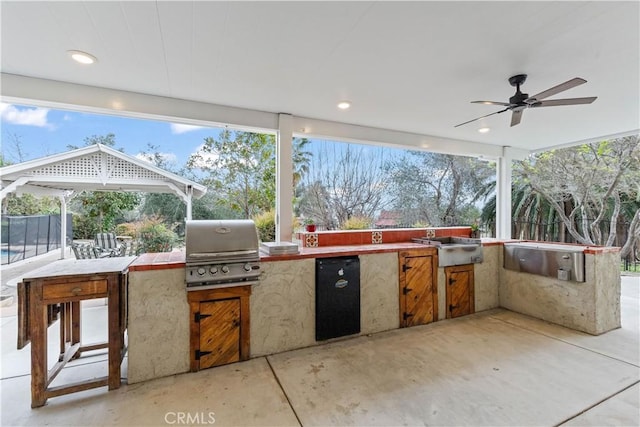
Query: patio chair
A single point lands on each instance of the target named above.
(133, 248)
(108, 245)
(84, 251)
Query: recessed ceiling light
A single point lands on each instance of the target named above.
(484, 130)
(344, 105)
(82, 57)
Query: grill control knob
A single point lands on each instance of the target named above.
(247, 267)
(201, 271)
(225, 269)
(213, 270)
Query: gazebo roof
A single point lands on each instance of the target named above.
(94, 168)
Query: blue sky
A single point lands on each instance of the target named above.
(43, 131)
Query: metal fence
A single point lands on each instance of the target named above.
(28, 236)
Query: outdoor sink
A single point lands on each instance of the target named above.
(455, 250)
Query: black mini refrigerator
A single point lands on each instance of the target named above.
(337, 297)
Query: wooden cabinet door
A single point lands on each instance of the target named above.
(219, 332)
(460, 296)
(418, 291)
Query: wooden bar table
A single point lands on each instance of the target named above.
(59, 287)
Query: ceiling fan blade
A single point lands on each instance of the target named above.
(504, 104)
(516, 116)
(497, 112)
(577, 81)
(567, 101)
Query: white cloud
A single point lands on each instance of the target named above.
(178, 128)
(27, 116)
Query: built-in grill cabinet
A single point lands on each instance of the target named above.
(222, 262)
(219, 326)
(418, 273)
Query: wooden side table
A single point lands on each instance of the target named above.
(63, 284)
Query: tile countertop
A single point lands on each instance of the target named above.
(175, 259)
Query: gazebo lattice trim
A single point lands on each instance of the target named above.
(98, 166)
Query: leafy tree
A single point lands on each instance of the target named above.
(587, 185)
(578, 194)
(167, 206)
(28, 204)
(241, 170)
(105, 207)
(109, 140)
(438, 189)
(343, 183)
(301, 163)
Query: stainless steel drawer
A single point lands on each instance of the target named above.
(561, 262)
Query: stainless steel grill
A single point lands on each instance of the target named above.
(221, 253)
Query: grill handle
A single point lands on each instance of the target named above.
(210, 255)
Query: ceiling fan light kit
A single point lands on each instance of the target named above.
(521, 101)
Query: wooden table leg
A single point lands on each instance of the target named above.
(64, 329)
(115, 336)
(76, 324)
(38, 313)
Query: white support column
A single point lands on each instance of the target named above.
(503, 189)
(284, 178)
(63, 226)
(503, 198)
(188, 201)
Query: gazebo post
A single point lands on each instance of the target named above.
(188, 200)
(63, 226)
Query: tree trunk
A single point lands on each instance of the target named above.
(632, 237)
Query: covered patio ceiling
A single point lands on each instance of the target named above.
(410, 69)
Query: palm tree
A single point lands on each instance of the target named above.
(301, 161)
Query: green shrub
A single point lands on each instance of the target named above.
(357, 223)
(266, 225)
(84, 227)
(155, 236)
(128, 229)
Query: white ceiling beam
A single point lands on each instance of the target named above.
(77, 97)
(312, 128)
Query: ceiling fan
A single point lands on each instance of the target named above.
(520, 101)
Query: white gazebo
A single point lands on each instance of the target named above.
(93, 168)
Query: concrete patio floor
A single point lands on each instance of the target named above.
(491, 368)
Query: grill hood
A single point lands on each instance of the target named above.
(220, 240)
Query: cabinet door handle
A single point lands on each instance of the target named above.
(452, 280)
(406, 290)
(451, 307)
